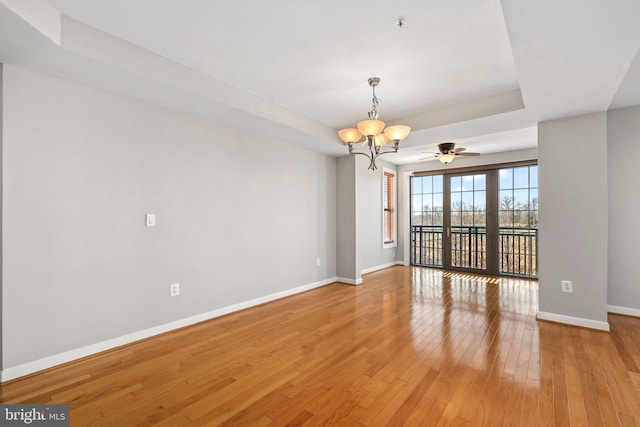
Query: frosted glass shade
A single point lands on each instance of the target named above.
(370, 127)
(380, 140)
(446, 158)
(397, 133)
(350, 135)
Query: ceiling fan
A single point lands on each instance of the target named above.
(448, 152)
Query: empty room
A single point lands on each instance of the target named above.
(287, 213)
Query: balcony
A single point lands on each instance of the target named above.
(517, 248)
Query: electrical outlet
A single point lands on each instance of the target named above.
(318, 262)
(175, 289)
(567, 285)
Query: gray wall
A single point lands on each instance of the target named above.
(623, 134)
(1, 210)
(238, 217)
(346, 244)
(359, 218)
(572, 160)
(369, 214)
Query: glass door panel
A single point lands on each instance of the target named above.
(518, 221)
(468, 229)
(427, 220)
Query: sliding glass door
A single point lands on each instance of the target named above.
(466, 236)
(480, 221)
(427, 209)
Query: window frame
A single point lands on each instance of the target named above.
(494, 261)
(390, 206)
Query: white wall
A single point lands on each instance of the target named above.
(572, 164)
(238, 217)
(623, 133)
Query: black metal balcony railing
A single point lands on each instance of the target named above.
(426, 245)
(469, 247)
(518, 251)
(517, 248)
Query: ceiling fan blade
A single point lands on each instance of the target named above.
(457, 150)
(467, 154)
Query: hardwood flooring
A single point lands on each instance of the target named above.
(411, 346)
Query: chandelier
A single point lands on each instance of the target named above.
(377, 139)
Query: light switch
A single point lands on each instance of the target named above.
(175, 289)
(151, 220)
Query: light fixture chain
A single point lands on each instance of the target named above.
(374, 113)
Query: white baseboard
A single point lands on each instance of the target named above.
(368, 270)
(575, 321)
(623, 310)
(381, 267)
(349, 281)
(68, 356)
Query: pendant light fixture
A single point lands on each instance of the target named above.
(378, 140)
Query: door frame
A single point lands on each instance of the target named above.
(492, 214)
(491, 222)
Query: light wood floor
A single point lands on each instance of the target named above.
(411, 346)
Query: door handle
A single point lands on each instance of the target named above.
(448, 231)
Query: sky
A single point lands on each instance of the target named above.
(520, 183)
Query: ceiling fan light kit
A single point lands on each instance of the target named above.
(378, 140)
(448, 152)
(446, 158)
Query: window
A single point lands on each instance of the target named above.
(518, 216)
(388, 209)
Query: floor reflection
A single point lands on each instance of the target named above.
(473, 292)
(468, 316)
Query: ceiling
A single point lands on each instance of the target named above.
(481, 73)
